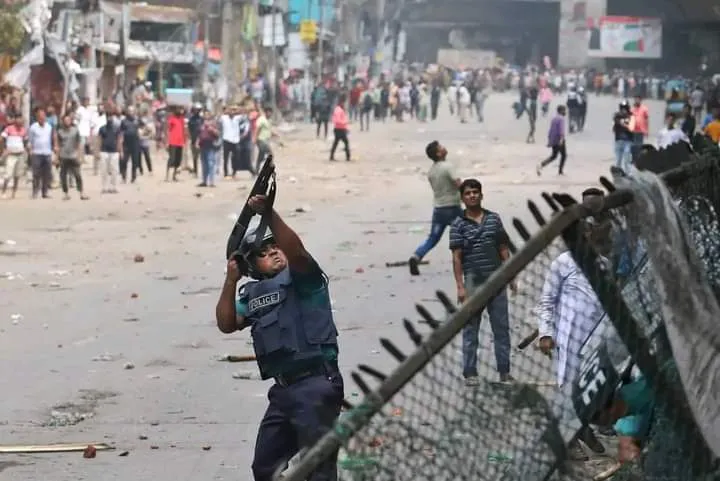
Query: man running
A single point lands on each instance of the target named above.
(445, 183)
(556, 141)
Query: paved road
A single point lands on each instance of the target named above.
(76, 310)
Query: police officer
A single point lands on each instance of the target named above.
(287, 308)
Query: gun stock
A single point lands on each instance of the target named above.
(260, 187)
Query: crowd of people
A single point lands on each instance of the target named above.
(211, 141)
(121, 144)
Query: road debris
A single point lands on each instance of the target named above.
(106, 357)
(90, 452)
(247, 375)
(128, 366)
(139, 258)
(59, 273)
(234, 358)
(404, 263)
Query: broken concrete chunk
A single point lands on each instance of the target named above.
(106, 357)
(90, 452)
(248, 375)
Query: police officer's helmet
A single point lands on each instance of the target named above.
(250, 247)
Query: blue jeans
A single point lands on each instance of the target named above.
(623, 155)
(442, 217)
(298, 415)
(208, 157)
(637, 143)
(500, 326)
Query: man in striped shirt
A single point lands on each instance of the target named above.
(479, 245)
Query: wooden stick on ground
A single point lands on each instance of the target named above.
(52, 448)
(234, 358)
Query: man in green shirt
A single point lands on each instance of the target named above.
(264, 133)
(445, 184)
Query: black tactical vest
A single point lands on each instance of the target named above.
(283, 328)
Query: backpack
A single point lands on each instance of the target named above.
(367, 102)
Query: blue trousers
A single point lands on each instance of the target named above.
(500, 326)
(298, 415)
(637, 143)
(623, 155)
(442, 217)
(208, 158)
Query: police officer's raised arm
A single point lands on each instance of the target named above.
(287, 240)
(228, 318)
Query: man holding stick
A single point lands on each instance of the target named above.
(287, 308)
(568, 312)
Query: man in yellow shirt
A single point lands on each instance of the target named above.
(712, 130)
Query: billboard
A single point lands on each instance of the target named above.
(625, 37)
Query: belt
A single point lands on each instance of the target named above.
(285, 380)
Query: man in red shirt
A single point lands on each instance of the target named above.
(176, 141)
(355, 94)
(14, 150)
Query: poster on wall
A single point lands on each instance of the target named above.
(625, 37)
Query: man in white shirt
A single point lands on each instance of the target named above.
(230, 139)
(463, 102)
(671, 133)
(84, 119)
(568, 312)
(40, 138)
(99, 120)
(452, 97)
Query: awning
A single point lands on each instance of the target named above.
(135, 51)
(19, 75)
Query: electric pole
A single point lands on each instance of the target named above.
(124, 40)
(273, 61)
(206, 56)
(321, 53)
(228, 70)
(380, 45)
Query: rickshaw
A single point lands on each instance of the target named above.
(676, 93)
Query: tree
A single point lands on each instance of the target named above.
(12, 32)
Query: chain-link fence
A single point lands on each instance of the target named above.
(618, 299)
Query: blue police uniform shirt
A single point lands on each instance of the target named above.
(312, 290)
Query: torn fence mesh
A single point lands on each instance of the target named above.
(438, 427)
(682, 239)
(610, 311)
